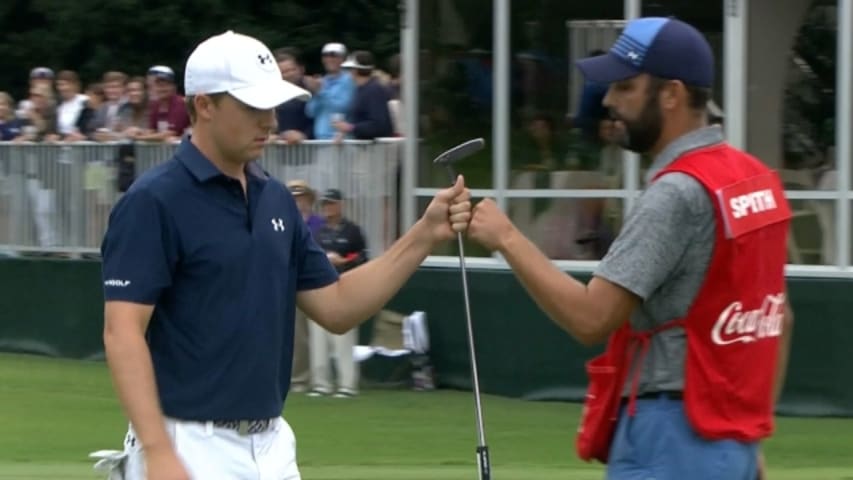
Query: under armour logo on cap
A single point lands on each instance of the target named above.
(264, 58)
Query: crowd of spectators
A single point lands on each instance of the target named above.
(351, 99)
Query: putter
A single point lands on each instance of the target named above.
(447, 159)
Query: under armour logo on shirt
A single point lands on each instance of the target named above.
(264, 58)
(277, 224)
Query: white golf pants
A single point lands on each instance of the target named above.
(323, 345)
(213, 453)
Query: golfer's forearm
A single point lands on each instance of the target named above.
(784, 352)
(364, 290)
(130, 365)
(563, 298)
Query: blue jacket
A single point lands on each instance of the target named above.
(335, 96)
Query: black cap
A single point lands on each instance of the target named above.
(332, 195)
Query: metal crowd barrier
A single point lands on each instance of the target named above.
(57, 197)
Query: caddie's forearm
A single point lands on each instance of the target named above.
(784, 353)
(563, 298)
(364, 290)
(129, 361)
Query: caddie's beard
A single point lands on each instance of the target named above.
(641, 134)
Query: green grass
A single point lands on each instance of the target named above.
(53, 412)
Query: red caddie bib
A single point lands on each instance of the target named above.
(733, 325)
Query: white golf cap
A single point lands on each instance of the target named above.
(335, 48)
(162, 72)
(241, 66)
(359, 60)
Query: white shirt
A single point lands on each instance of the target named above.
(68, 112)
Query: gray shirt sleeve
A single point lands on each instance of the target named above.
(667, 219)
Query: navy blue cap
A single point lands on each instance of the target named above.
(663, 47)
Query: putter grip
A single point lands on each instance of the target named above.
(483, 462)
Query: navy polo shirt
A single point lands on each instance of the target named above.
(222, 270)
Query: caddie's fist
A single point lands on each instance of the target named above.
(489, 226)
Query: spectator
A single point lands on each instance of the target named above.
(590, 108)
(294, 125)
(300, 378)
(133, 115)
(395, 78)
(344, 244)
(38, 76)
(88, 119)
(395, 105)
(369, 116)
(69, 111)
(168, 114)
(41, 115)
(107, 116)
(151, 80)
(597, 147)
(545, 142)
(96, 174)
(305, 198)
(11, 127)
(332, 95)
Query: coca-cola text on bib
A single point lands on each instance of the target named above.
(736, 325)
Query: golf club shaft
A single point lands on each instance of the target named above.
(482, 450)
(475, 376)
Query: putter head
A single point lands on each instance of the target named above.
(460, 151)
(457, 153)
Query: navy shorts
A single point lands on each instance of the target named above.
(658, 443)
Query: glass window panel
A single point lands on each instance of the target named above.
(455, 85)
(812, 238)
(568, 228)
(556, 124)
(807, 131)
(808, 128)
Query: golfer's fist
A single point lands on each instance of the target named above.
(449, 212)
(489, 226)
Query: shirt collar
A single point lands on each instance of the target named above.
(203, 169)
(702, 137)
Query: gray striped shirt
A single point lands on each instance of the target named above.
(662, 254)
